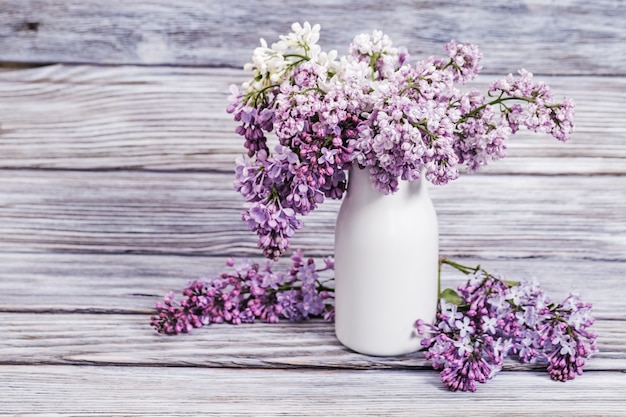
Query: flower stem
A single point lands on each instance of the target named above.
(463, 268)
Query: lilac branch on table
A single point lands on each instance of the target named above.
(491, 318)
(488, 319)
(247, 293)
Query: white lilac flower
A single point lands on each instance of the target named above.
(464, 346)
(464, 327)
(488, 324)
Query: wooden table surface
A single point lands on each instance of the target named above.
(116, 170)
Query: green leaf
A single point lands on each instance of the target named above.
(451, 296)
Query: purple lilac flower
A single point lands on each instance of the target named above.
(460, 348)
(537, 110)
(464, 60)
(498, 318)
(480, 139)
(377, 51)
(566, 339)
(248, 293)
(409, 130)
(273, 224)
(255, 121)
(308, 166)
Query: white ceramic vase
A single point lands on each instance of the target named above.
(386, 265)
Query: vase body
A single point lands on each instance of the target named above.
(386, 266)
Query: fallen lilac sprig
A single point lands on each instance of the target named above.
(476, 328)
(247, 293)
(491, 318)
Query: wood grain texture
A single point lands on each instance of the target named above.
(199, 214)
(566, 37)
(96, 283)
(73, 390)
(110, 339)
(174, 119)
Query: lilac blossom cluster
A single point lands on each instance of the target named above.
(249, 293)
(375, 107)
(490, 319)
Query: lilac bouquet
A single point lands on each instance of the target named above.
(376, 108)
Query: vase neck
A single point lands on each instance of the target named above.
(360, 185)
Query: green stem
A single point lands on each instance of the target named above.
(303, 57)
(465, 269)
(373, 59)
(499, 100)
(441, 259)
(423, 126)
(319, 90)
(322, 287)
(469, 270)
(257, 94)
(411, 85)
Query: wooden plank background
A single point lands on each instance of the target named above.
(116, 170)
(565, 37)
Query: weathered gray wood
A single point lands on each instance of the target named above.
(566, 37)
(84, 117)
(199, 213)
(141, 391)
(103, 283)
(109, 339)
